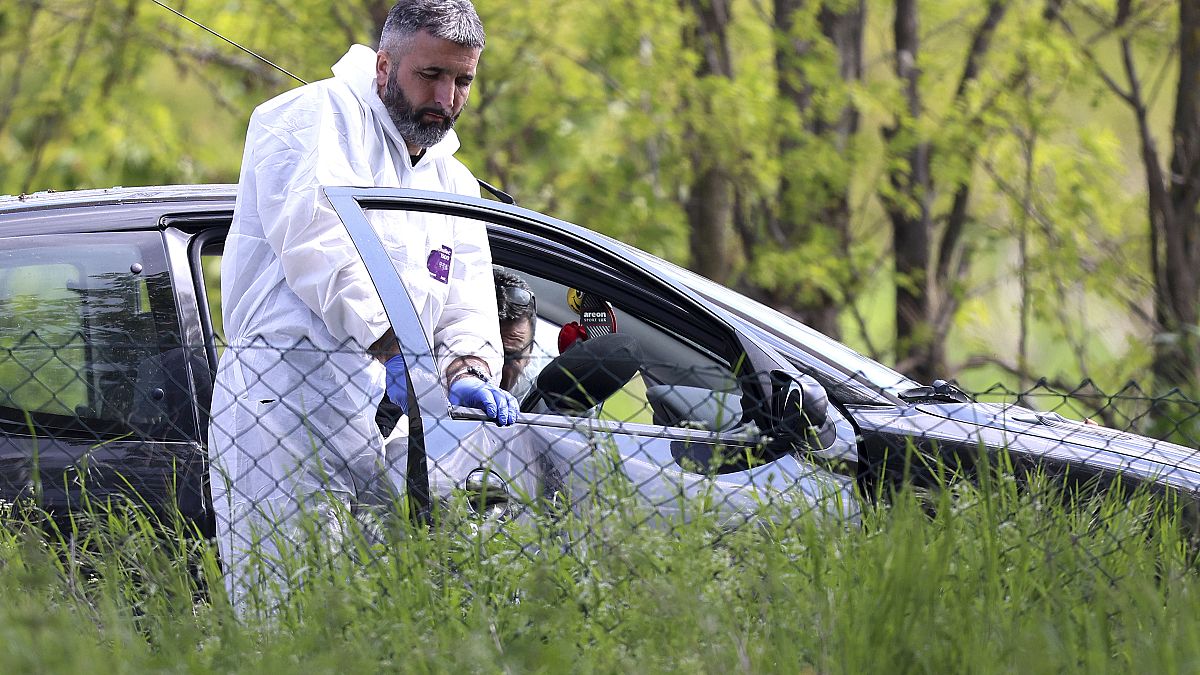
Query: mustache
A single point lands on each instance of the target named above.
(447, 121)
(441, 112)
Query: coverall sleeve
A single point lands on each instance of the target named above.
(296, 150)
(470, 325)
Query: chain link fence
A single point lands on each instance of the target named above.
(269, 463)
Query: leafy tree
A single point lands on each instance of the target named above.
(941, 183)
(1172, 238)
(801, 253)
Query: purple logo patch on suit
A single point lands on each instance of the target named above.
(439, 263)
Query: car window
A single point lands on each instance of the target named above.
(677, 382)
(90, 337)
(850, 376)
(674, 380)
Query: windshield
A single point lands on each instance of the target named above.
(874, 375)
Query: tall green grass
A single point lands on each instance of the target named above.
(991, 577)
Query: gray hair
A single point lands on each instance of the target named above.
(453, 20)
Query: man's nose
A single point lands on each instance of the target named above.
(444, 94)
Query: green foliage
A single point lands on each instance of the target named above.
(594, 112)
(1001, 576)
(574, 113)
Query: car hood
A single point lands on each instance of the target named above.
(1054, 437)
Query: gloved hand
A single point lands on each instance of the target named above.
(396, 382)
(475, 393)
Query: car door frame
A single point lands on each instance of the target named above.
(650, 294)
(615, 272)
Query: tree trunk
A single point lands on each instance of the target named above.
(710, 198)
(927, 267)
(918, 350)
(709, 208)
(378, 10)
(1176, 292)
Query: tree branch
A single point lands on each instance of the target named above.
(185, 53)
(47, 125)
(957, 220)
(344, 23)
(1090, 56)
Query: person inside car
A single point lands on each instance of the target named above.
(517, 309)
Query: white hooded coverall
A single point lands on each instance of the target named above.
(293, 413)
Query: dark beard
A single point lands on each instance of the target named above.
(408, 121)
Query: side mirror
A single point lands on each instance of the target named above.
(799, 410)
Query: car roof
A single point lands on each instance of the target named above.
(116, 195)
(117, 208)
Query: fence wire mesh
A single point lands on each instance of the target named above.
(300, 446)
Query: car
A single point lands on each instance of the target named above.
(110, 326)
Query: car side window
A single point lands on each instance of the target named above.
(675, 382)
(90, 338)
(645, 371)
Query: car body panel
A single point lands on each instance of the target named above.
(1077, 444)
(567, 462)
(62, 475)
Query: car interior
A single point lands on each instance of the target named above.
(675, 381)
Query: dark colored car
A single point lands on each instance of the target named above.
(109, 341)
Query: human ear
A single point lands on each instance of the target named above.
(382, 67)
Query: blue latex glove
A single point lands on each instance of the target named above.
(396, 382)
(498, 404)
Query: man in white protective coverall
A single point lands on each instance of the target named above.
(310, 350)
